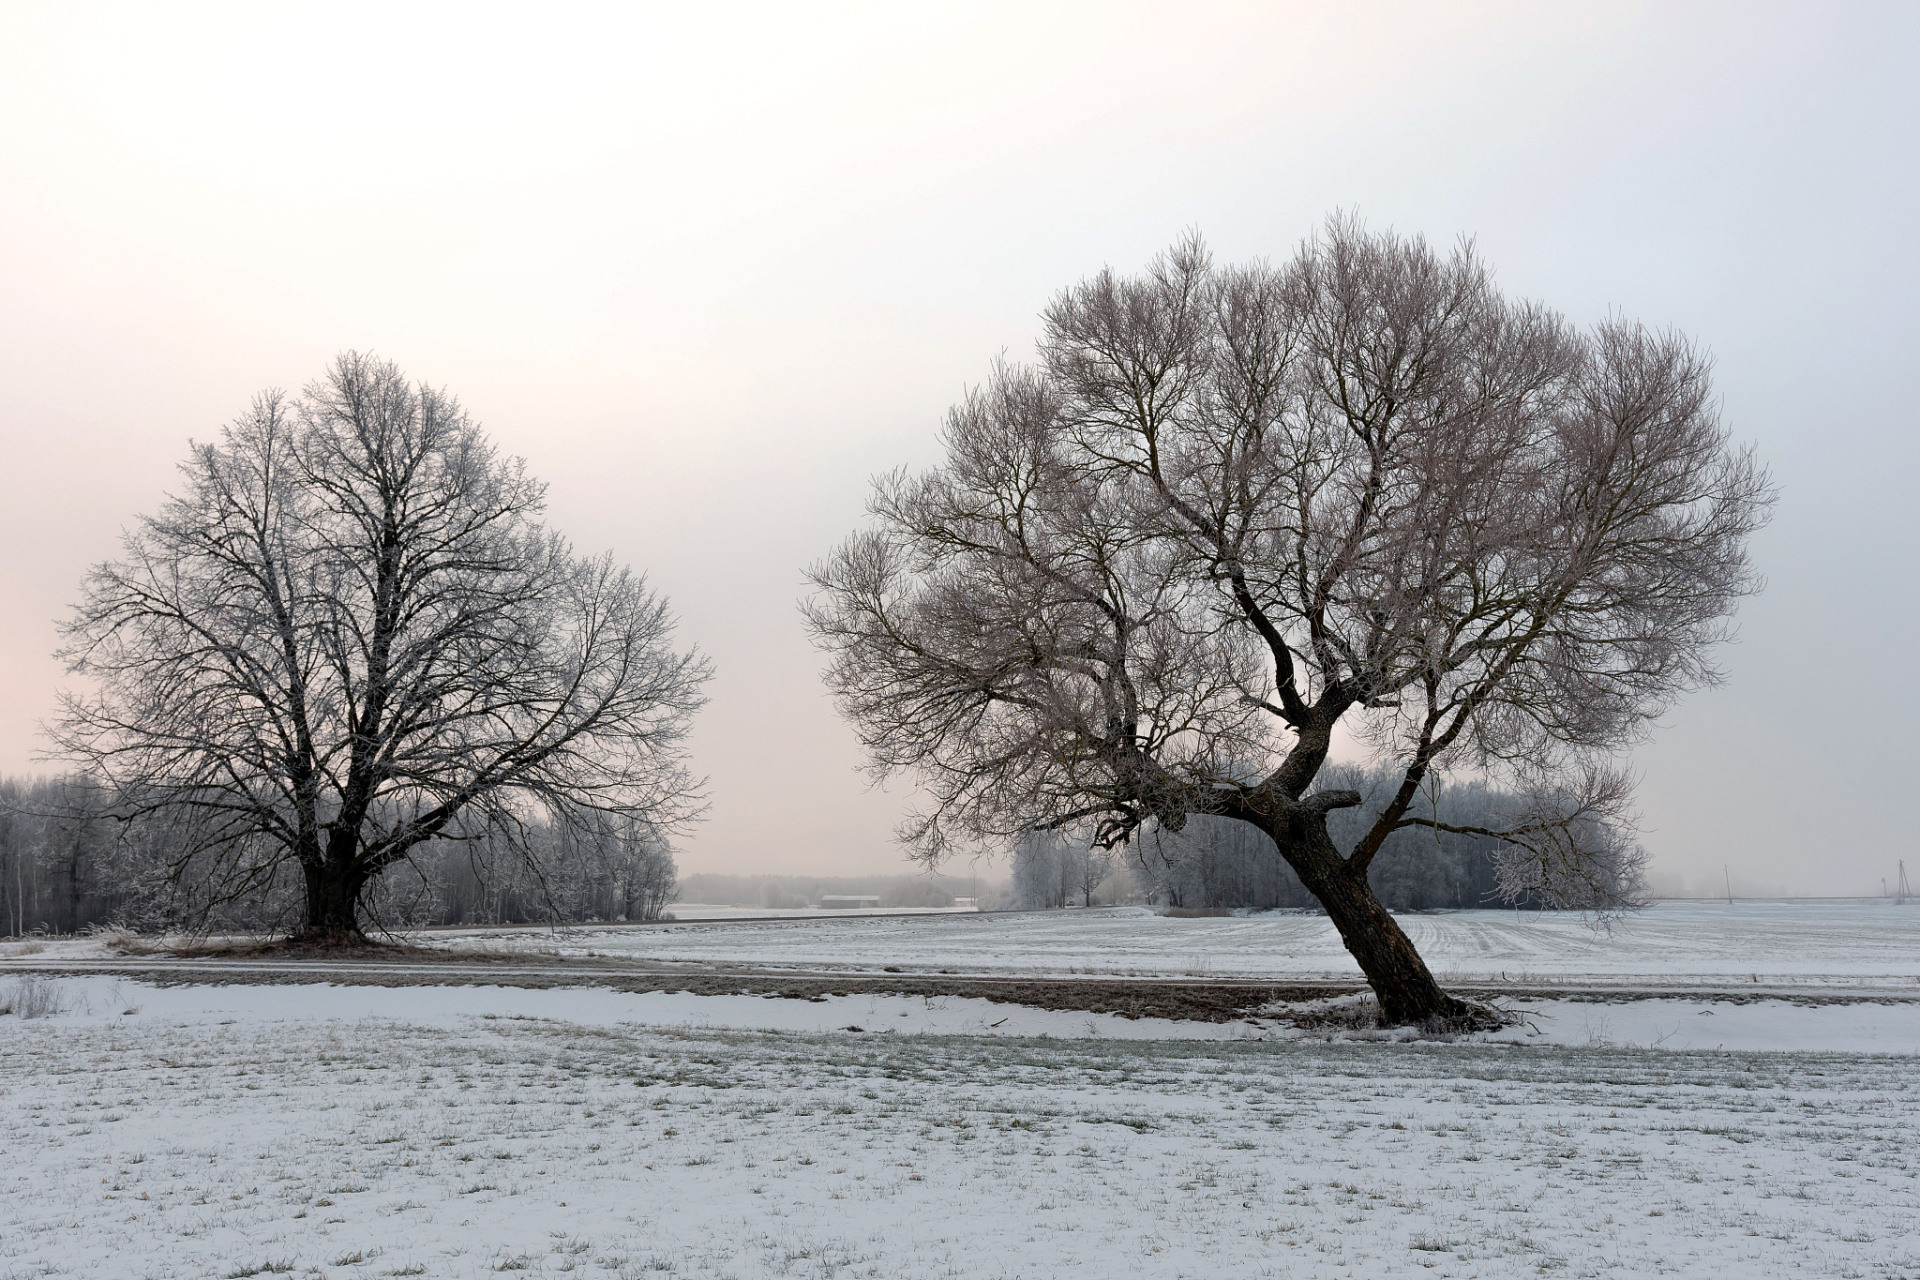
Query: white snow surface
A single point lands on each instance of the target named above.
(1669, 944)
(342, 1131)
(1847, 944)
(1757, 1115)
(1854, 1026)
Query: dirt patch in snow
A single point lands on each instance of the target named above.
(1208, 1001)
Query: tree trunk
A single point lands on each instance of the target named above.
(1400, 979)
(333, 901)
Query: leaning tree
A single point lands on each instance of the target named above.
(350, 633)
(1230, 513)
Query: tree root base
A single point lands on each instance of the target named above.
(1361, 1013)
(1464, 1017)
(330, 946)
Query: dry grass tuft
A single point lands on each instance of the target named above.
(32, 996)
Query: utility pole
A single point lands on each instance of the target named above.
(1728, 876)
(1903, 893)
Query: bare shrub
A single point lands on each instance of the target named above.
(32, 996)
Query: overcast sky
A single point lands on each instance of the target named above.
(709, 272)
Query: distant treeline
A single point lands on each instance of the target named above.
(784, 893)
(1218, 863)
(1051, 870)
(68, 864)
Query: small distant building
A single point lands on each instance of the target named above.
(848, 901)
(966, 904)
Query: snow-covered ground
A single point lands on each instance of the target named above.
(1865, 1026)
(1671, 944)
(1855, 944)
(355, 1131)
(722, 911)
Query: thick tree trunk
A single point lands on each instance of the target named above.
(333, 902)
(1400, 979)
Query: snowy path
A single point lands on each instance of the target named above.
(346, 1132)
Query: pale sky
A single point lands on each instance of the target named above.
(710, 271)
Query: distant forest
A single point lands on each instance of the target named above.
(1216, 863)
(67, 866)
(786, 893)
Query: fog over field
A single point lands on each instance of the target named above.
(709, 272)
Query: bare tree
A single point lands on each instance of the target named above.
(350, 634)
(639, 871)
(1232, 509)
(1092, 865)
(1042, 874)
(54, 844)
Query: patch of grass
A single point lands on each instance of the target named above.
(1432, 1244)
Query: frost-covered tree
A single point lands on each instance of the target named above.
(1050, 871)
(632, 865)
(1218, 862)
(68, 863)
(1231, 511)
(349, 635)
(1091, 867)
(61, 865)
(1041, 878)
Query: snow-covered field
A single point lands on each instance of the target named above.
(1671, 944)
(1863, 1026)
(338, 1131)
(722, 911)
(1862, 945)
(1704, 1091)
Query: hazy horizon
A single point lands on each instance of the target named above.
(710, 272)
